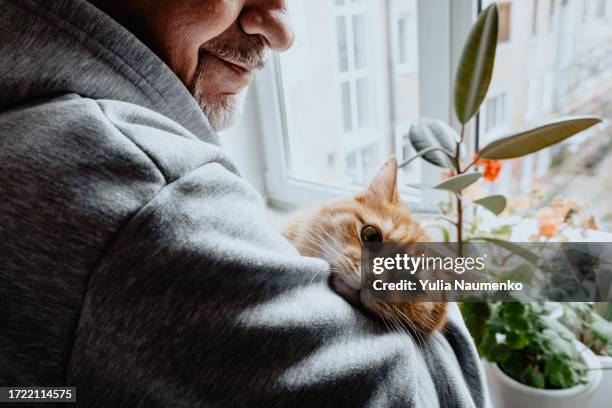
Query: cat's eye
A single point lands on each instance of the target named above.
(370, 233)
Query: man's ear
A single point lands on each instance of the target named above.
(384, 185)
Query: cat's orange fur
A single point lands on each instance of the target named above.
(333, 233)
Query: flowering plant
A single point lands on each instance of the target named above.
(536, 350)
(439, 144)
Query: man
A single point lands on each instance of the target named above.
(136, 264)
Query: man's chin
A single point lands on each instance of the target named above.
(225, 111)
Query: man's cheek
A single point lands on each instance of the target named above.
(213, 17)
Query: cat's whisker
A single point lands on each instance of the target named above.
(415, 329)
(384, 319)
(403, 323)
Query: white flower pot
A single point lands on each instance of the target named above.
(509, 393)
(603, 393)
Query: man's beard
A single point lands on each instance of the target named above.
(221, 111)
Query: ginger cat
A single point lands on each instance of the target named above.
(336, 231)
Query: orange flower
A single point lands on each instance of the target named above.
(548, 222)
(491, 168)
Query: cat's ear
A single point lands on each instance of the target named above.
(384, 185)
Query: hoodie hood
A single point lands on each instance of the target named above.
(69, 46)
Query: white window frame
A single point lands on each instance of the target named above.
(436, 71)
(352, 74)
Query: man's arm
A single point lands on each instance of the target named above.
(200, 302)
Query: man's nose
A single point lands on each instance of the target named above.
(270, 19)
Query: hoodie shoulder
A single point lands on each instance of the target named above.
(169, 150)
(73, 173)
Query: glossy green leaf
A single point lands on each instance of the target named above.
(510, 247)
(428, 133)
(494, 203)
(458, 183)
(476, 65)
(532, 140)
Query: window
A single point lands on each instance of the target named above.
(342, 99)
(505, 19)
(534, 19)
(353, 72)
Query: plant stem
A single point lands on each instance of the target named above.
(459, 222)
(423, 153)
(459, 198)
(442, 217)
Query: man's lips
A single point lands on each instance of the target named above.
(239, 66)
(238, 77)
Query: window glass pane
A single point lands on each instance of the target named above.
(601, 8)
(565, 72)
(491, 109)
(351, 167)
(551, 14)
(359, 40)
(362, 102)
(347, 104)
(342, 43)
(534, 18)
(401, 34)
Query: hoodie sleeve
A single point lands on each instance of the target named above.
(200, 302)
(138, 266)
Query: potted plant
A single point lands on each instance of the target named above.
(594, 331)
(532, 360)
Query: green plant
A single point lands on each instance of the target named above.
(528, 346)
(439, 144)
(589, 327)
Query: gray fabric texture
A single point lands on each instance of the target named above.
(137, 265)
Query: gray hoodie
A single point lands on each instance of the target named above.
(137, 265)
